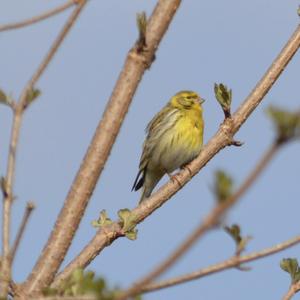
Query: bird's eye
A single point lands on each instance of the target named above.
(189, 97)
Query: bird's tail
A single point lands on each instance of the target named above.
(150, 180)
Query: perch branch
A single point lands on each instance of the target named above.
(93, 163)
(208, 223)
(221, 139)
(232, 262)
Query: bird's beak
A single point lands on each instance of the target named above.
(201, 100)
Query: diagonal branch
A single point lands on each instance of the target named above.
(229, 263)
(208, 223)
(29, 208)
(39, 18)
(293, 289)
(220, 140)
(85, 181)
(19, 109)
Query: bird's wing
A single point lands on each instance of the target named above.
(158, 126)
(139, 180)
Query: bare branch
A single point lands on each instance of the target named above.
(38, 18)
(208, 223)
(232, 262)
(294, 288)
(29, 208)
(17, 121)
(221, 139)
(135, 65)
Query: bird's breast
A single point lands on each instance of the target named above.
(180, 144)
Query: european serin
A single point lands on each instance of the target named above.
(174, 138)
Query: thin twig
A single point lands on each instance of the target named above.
(56, 44)
(17, 121)
(220, 140)
(38, 18)
(208, 223)
(29, 208)
(294, 288)
(232, 262)
(93, 163)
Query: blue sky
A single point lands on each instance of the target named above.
(233, 42)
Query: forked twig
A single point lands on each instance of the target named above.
(38, 18)
(220, 140)
(19, 109)
(232, 262)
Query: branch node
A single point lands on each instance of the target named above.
(243, 268)
(7, 100)
(31, 95)
(236, 143)
(128, 223)
(226, 128)
(141, 20)
(140, 46)
(3, 185)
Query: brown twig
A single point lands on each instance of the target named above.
(293, 289)
(232, 262)
(17, 120)
(220, 140)
(29, 208)
(38, 18)
(83, 297)
(85, 181)
(208, 223)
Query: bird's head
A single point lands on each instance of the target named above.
(187, 100)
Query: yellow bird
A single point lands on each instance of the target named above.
(174, 138)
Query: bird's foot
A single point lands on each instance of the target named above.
(186, 167)
(174, 178)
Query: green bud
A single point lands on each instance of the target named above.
(290, 265)
(286, 123)
(103, 220)
(224, 97)
(223, 186)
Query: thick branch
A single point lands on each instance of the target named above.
(81, 190)
(17, 121)
(38, 18)
(232, 262)
(220, 140)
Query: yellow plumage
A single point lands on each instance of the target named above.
(174, 138)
